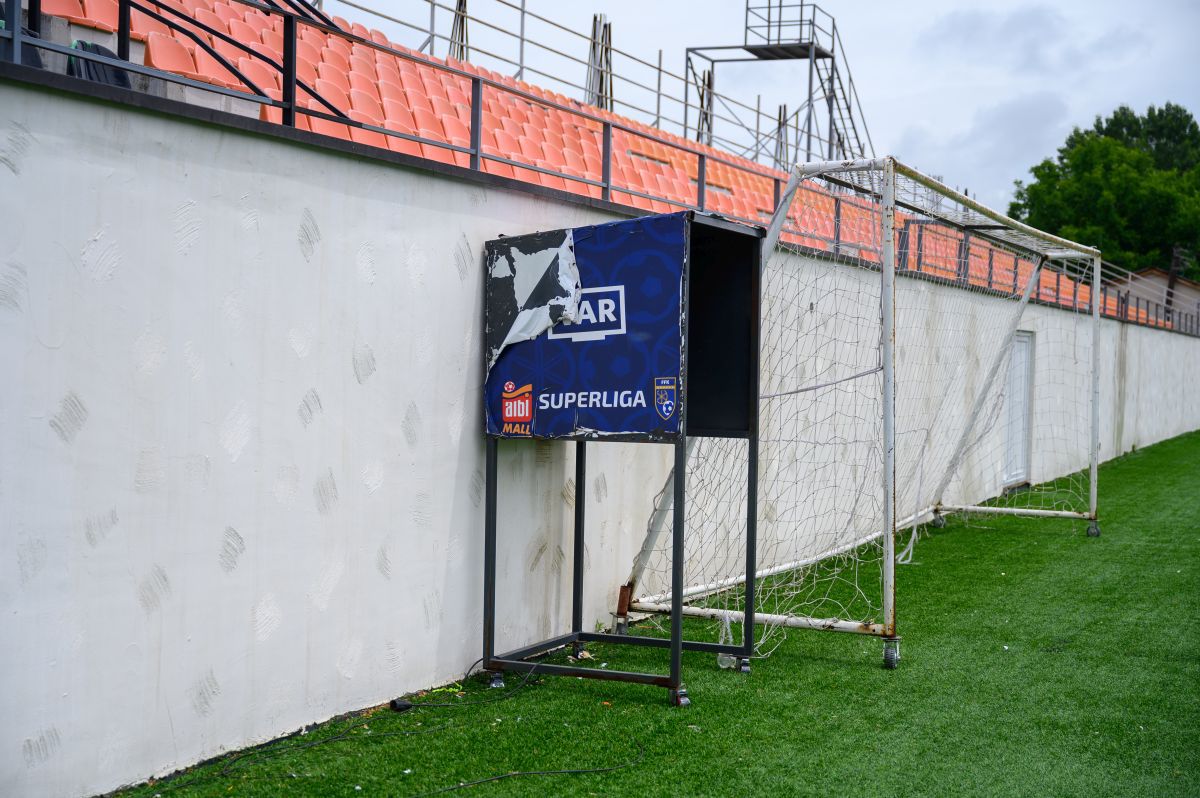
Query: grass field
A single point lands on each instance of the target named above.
(1036, 661)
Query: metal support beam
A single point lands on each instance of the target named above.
(123, 29)
(289, 70)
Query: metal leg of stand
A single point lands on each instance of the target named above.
(678, 693)
(577, 583)
(489, 562)
(748, 628)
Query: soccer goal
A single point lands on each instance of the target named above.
(921, 355)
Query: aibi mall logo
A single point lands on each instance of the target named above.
(601, 314)
(516, 408)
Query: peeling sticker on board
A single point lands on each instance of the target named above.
(531, 286)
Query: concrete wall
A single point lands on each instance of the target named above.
(240, 461)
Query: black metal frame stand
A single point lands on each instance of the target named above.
(516, 660)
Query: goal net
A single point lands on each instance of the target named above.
(921, 355)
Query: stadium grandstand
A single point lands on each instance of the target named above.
(343, 80)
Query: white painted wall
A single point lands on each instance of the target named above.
(240, 450)
(240, 460)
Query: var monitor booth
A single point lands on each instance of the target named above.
(641, 331)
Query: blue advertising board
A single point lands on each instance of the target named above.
(585, 331)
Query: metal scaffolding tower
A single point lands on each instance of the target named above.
(828, 124)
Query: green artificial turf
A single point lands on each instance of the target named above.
(1036, 661)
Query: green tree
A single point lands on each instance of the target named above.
(1130, 185)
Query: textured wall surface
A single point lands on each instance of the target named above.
(240, 451)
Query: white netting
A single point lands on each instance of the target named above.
(992, 403)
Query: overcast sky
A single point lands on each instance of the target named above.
(974, 92)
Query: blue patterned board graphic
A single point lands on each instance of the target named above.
(616, 372)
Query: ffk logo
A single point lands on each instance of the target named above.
(516, 404)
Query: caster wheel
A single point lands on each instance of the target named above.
(1093, 530)
(744, 664)
(891, 654)
(621, 627)
(938, 521)
(679, 698)
(497, 681)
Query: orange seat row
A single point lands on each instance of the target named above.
(651, 169)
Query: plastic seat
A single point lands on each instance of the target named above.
(169, 55)
(306, 72)
(210, 70)
(361, 82)
(366, 103)
(203, 15)
(397, 144)
(340, 45)
(433, 84)
(428, 124)
(304, 50)
(102, 13)
(258, 21)
(333, 94)
(442, 107)
(487, 141)
(226, 12)
(317, 39)
(325, 127)
(363, 51)
(508, 147)
(72, 10)
(330, 73)
(238, 29)
(364, 66)
(272, 39)
(336, 58)
(371, 138)
(260, 73)
(398, 112)
(460, 135)
(392, 91)
(511, 127)
(141, 25)
(417, 100)
(267, 51)
(388, 71)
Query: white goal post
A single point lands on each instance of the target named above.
(921, 354)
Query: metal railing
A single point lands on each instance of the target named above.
(1117, 303)
(641, 88)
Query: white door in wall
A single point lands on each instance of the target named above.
(1017, 403)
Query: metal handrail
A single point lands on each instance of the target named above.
(432, 35)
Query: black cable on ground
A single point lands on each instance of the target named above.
(462, 785)
(279, 750)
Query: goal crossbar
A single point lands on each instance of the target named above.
(887, 338)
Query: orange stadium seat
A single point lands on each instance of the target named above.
(168, 54)
(260, 73)
(372, 138)
(72, 10)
